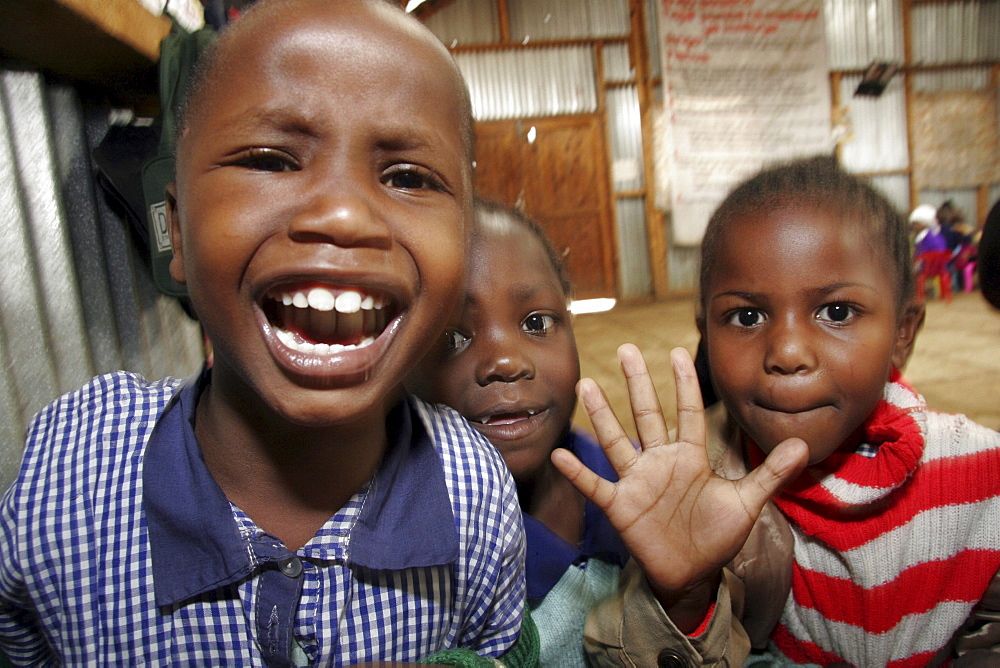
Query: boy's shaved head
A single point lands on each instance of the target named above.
(324, 158)
(222, 57)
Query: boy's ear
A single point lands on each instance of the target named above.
(910, 323)
(173, 220)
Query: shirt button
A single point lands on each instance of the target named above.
(668, 658)
(291, 567)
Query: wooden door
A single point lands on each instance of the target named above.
(560, 179)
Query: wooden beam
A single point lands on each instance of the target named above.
(655, 233)
(503, 16)
(112, 44)
(907, 8)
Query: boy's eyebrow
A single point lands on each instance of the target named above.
(282, 119)
(404, 138)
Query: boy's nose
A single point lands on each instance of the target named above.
(788, 349)
(504, 364)
(346, 218)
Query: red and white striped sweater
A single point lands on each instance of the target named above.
(892, 551)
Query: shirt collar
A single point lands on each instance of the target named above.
(196, 546)
(548, 555)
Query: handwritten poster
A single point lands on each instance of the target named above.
(745, 83)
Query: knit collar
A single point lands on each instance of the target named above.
(854, 483)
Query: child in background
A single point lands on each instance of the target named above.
(292, 505)
(509, 365)
(807, 314)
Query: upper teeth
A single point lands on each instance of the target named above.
(529, 411)
(324, 299)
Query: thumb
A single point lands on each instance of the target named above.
(781, 467)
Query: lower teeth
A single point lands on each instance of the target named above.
(296, 343)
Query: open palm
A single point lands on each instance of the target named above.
(681, 522)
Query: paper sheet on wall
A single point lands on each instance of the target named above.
(745, 84)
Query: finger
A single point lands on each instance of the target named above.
(649, 422)
(614, 441)
(781, 467)
(598, 490)
(690, 411)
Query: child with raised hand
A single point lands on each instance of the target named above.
(292, 505)
(807, 312)
(509, 365)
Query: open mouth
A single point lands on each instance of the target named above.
(323, 320)
(506, 418)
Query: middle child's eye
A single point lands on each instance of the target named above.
(538, 323)
(455, 341)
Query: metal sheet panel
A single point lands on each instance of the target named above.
(634, 274)
(466, 22)
(860, 31)
(567, 19)
(625, 134)
(878, 128)
(896, 189)
(955, 32)
(617, 65)
(965, 78)
(523, 83)
(75, 300)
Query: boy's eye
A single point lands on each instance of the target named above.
(266, 160)
(455, 341)
(746, 317)
(538, 323)
(836, 313)
(411, 177)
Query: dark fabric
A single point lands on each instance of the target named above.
(988, 264)
(548, 555)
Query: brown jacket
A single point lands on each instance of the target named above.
(630, 628)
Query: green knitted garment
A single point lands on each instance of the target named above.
(523, 654)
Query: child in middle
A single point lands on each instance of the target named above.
(509, 365)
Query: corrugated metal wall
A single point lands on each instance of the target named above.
(858, 32)
(567, 19)
(955, 32)
(76, 301)
(878, 128)
(950, 33)
(549, 81)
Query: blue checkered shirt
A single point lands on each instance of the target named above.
(118, 548)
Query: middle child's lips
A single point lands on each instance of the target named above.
(510, 425)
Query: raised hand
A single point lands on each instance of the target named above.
(681, 522)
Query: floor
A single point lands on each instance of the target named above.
(956, 364)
